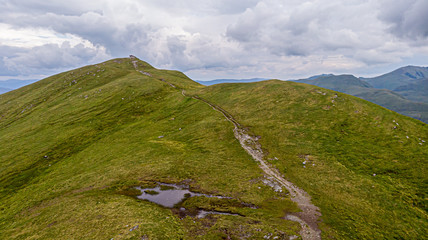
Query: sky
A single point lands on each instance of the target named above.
(210, 39)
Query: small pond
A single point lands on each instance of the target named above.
(169, 195)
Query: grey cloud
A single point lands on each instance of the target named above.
(255, 36)
(234, 7)
(313, 28)
(89, 25)
(408, 18)
(5, 52)
(197, 7)
(50, 58)
(76, 7)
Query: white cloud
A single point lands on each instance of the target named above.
(32, 37)
(242, 38)
(49, 58)
(407, 18)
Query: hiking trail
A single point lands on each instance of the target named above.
(308, 218)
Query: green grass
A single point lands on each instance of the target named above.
(76, 144)
(70, 159)
(346, 142)
(413, 106)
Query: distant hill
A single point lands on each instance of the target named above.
(389, 99)
(399, 77)
(15, 83)
(75, 146)
(217, 81)
(3, 90)
(417, 91)
(342, 83)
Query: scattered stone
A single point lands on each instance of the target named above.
(407, 137)
(420, 144)
(374, 174)
(134, 228)
(160, 136)
(179, 129)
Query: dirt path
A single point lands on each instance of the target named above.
(308, 218)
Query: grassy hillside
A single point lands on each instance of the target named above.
(387, 98)
(365, 166)
(394, 101)
(76, 144)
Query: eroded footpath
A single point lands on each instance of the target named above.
(308, 218)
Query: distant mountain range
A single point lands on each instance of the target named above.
(11, 84)
(398, 78)
(3, 90)
(404, 90)
(80, 149)
(217, 81)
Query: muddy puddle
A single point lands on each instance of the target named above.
(171, 195)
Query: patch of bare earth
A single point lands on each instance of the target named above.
(308, 218)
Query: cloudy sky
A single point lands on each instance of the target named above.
(210, 39)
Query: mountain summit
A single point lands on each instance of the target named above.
(400, 77)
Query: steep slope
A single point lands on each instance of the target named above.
(364, 166)
(383, 97)
(399, 77)
(75, 145)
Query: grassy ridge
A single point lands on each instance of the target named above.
(365, 167)
(74, 144)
